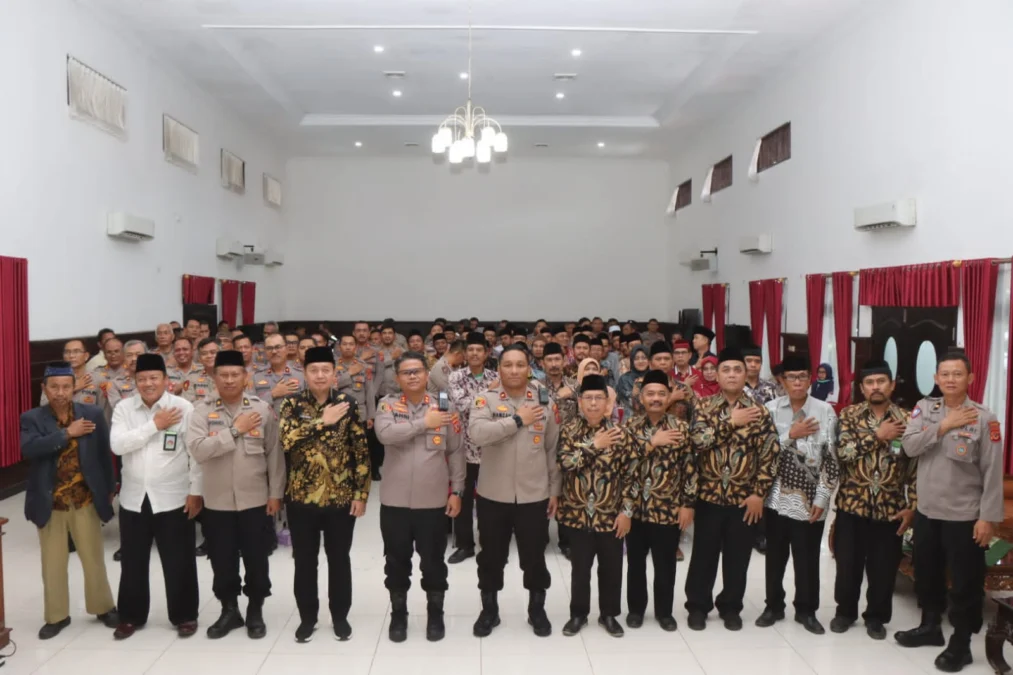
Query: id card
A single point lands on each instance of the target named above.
(895, 447)
(169, 441)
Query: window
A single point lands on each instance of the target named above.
(775, 148)
(722, 175)
(685, 196)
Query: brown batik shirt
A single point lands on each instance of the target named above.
(664, 477)
(877, 479)
(597, 485)
(70, 491)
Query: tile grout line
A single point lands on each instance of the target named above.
(376, 647)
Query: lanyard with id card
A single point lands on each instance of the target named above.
(169, 441)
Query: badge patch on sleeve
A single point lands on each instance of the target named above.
(994, 434)
(916, 412)
(384, 407)
(480, 402)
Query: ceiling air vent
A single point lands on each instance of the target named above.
(411, 145)
(541, 145)
(564, 77)
(394, 74)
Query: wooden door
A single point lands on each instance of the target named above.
(910, 339)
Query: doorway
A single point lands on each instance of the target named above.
(911, 339)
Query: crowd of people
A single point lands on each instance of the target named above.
(626, 438)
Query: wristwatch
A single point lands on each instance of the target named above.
(235, 432)
(518, 421)
(457, 493)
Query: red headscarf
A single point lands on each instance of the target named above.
(703, 388)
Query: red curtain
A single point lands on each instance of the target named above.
(198, 290)
(708, 305)
(249, 301)
(720, 299)
(1007, 457)
(773, 300)
(843, 312)
(15, 394)
(931, 285)
(756, 305)
(980, 278)
(230, 301)
(815, 294)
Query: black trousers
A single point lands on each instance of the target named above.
(376, 449)
(585, 546)
(865, 548)
(173, 533)
(801, 540)
(497, 523)
(942, 544)
(235, 534)
(406, 530)
(464, 523)
(563, 533)
(720, 532)
(661, 541)
(306, 523)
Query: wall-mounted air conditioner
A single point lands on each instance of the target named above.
(755, 244)
(128, 227)
(253, 255)
(274, 258)
(901, 213)
(228, 248)
(706, 262)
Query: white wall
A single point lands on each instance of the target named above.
(409, 239)
(911, 100)
(60, 177)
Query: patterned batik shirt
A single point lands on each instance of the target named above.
(567, 406)
(683, 408)
(877, 478)
(327, 465)
(664, 477)
(597, 484)
(763, 393)
(464, 387)
(70, 491)
(732, 462)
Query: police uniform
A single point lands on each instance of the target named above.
(106, 373)
(426, 465)
(170, 360)
(198, 387)
(519, 475)
(177, 377)
(439, 376)
(356, 386)
(91, 394)
(120, 388)
(960, 481)
(265, 379)
(384, 383)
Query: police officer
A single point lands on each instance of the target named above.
(426, 463)
(958, 444)
(354, 375)
(278, 379)
(451, 360)
(87, 388)
(518, 488)
(384, 384)
(200, 386)
(182, 353)
(122, 386)
(235, 440)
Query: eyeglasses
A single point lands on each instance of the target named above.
(594, 399)
(797, 377)
(275, 348)
(414, 372)
(291, 342)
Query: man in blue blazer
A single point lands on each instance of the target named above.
(70, 490)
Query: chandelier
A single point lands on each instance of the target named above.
(469, 133)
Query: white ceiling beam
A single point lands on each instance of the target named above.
(576, 121)
(484, 27)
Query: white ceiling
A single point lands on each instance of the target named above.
(306, 71)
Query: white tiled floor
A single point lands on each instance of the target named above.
(87, 647)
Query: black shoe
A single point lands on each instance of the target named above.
(768, 618)
(342, 630)
(489, 617)
(573, 626)
(460, 555)
(668, 623)
(929, 633)
(537, 618)
(229, 620)
(435, 630)
(565, 550)
(875, 629)
(398, 631)
(255, 626)
(51, 630)
(201, 550)
(760, 544)
(697, 621)
(732, 622)
(611, 626)
(118, 556)
(376, 475)
(110, 619)
(634, 620)
(304, 633)
(840, 624)
(810, 623)
(956, 655)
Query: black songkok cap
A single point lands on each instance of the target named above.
(319, 355)
(593, 383)
(705, 331)
(660, 347)
(476, 338)
(795, 364)
(876, 367)
(581, 338)
(439, 336)
(655, 377)
(146, 362)
(229, 357)
(552, 348)
(752, 350)
(730, 354)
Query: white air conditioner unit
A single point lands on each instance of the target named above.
(754, 244)
(901, 213)
(702, 265)
(128, 227)
(228, 248)
(274, 258)
(253, 255)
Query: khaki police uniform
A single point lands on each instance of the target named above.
(170, 360)
(384, 383)
(120, 388)
(357, 386)
(519, 475)
(425, 466)
(439, 376)
(177, 376)
(265, 379)
(198, 387)
(240, 474)
(91, 393)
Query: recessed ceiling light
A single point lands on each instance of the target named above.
(601, 144)
(378, 49)
(358, 144)
(576, 52)
(396, 93)
(463, 76)
(560, 95)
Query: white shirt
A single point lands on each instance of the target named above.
(165, 477)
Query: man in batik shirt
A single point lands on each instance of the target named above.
(762, 391)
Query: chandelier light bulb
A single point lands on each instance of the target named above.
(488, 135)
(483, 153)
(500, 143)
(468, 147)
(438, 146)
(446, 135)
(455, 156)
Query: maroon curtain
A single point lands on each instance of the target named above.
(249, 301)
(15, 394)
(980, 278)
(815, 294)
(230, 301)
(1007, 455)
(198, 290)
(756, 305)
(773, 300)
(931, 285)
(719, 295)
(708, 305)
(843, 311)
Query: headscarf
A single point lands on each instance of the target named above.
(821, 389)
(611, 404)
(624, 387)
(703, 388)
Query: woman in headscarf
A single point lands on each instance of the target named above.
(591, 367)
(823, 387)
(708, 384)
(640, 363)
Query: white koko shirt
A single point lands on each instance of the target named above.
(166, 477)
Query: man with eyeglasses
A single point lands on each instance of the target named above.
(278, 380)
(87, 388)
(292, 351)
(422, 487)
(796, 508)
